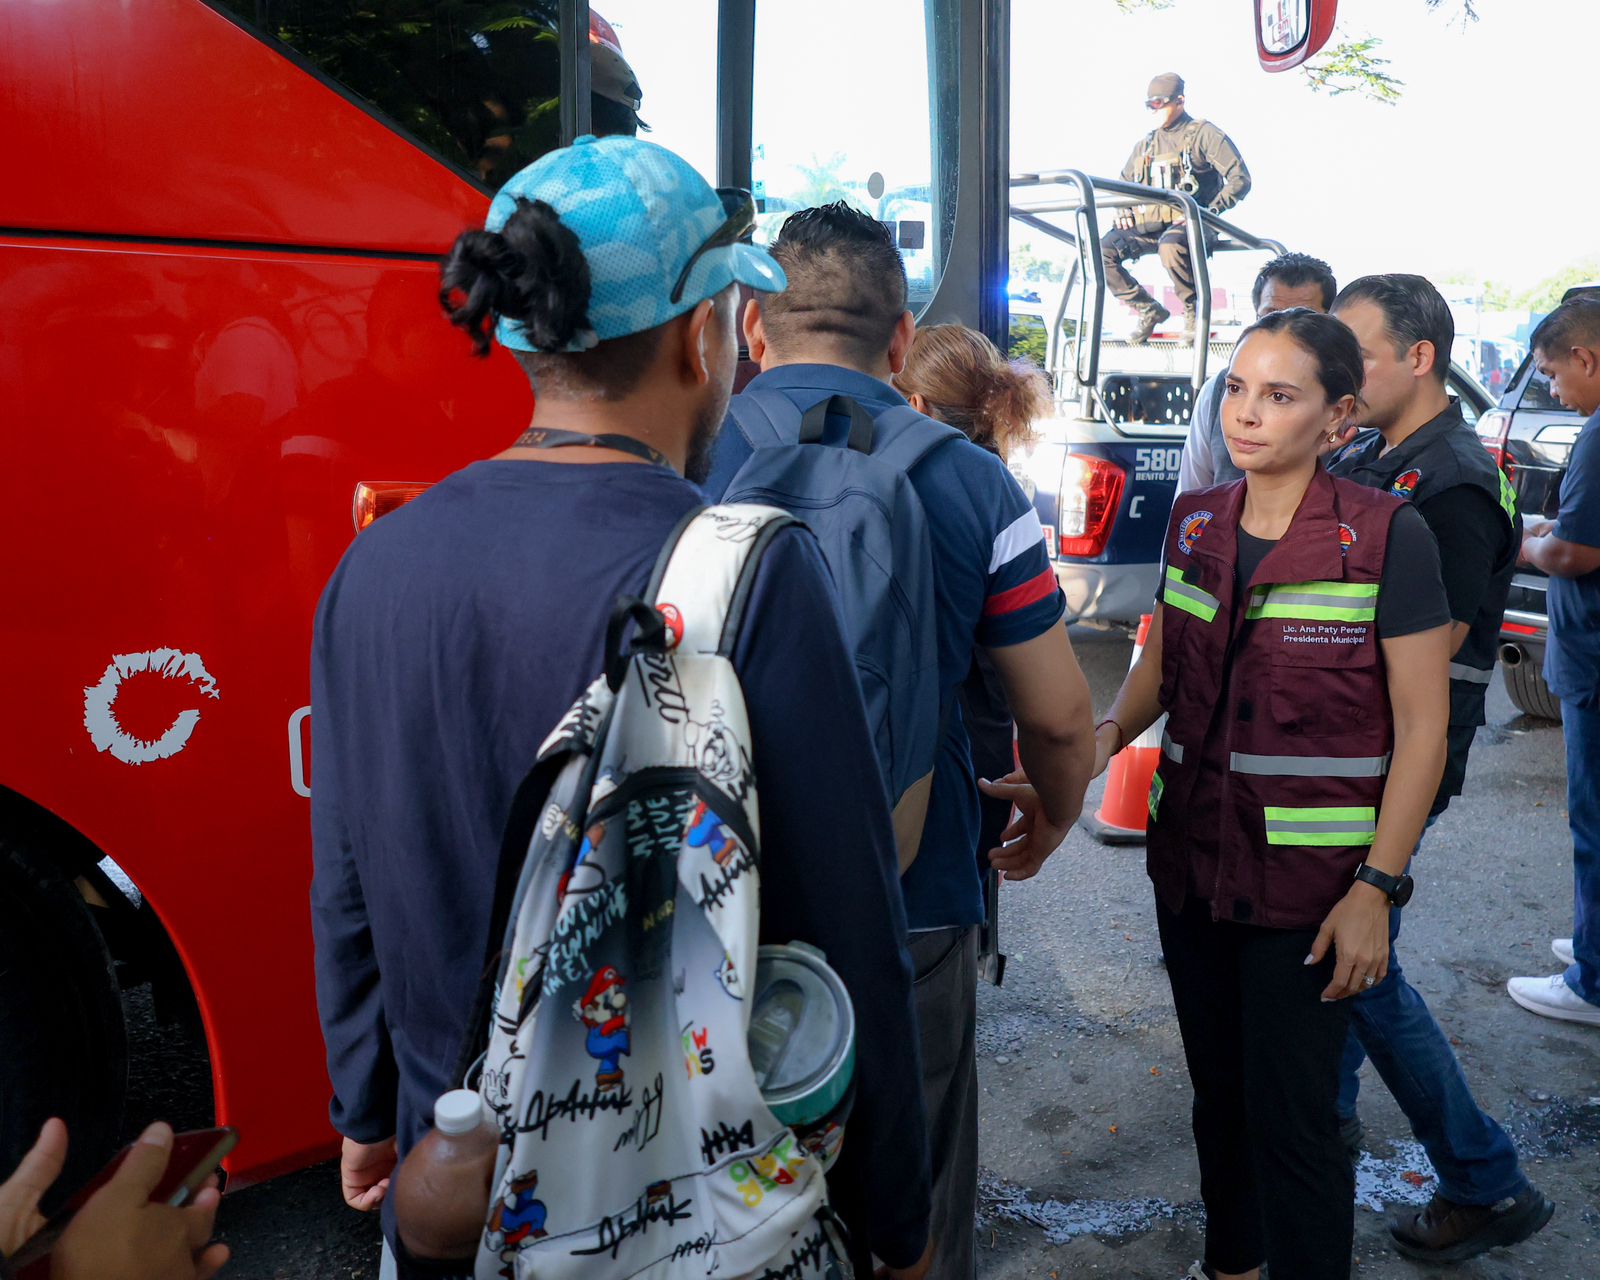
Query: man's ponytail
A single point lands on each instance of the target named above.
(532, 271)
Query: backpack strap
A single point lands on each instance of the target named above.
(709, 574)
(815, 419)
(906, 436)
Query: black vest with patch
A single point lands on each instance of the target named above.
(1442, 455)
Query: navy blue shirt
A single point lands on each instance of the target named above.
(1572, 654)
(993, 584)
(454, 634)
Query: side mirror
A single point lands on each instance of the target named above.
(1290, 31)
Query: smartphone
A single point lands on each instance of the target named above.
(194, 1158)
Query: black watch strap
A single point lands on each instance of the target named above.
(1389, 885)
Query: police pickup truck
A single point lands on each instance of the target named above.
(1104, 472)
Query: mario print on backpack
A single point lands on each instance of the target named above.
(1405, 484)
(604, 1011)
(707, 831)
(1194, 524)
(518, 1215)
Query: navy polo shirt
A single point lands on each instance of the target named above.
(1572, 655)
(994, 586)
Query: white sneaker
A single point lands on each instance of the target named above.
(1553, 998)
(1563, 949)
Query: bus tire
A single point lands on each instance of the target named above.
(61, 1019)
(1528, 692)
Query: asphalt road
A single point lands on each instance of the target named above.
(1087, 1164)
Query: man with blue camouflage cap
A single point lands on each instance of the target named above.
(458, 630)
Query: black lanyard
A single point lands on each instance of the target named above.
(551, 438)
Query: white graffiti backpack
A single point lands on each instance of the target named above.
(635, 1141)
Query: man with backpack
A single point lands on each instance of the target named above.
(461, 631)
(948, 556)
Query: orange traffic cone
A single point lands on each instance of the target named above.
(1125, 807)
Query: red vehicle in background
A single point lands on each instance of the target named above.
(219, 314)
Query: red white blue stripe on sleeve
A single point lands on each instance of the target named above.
(1022, 599)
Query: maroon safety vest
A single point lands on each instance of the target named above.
(1283, 693)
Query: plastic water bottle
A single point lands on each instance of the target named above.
(441, 1189)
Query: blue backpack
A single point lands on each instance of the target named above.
(858, 501)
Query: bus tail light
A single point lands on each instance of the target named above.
(1091, 492)
(376, 498)
(1494, 429)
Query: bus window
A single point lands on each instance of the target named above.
(484, 98)
(849, 104)
(672, 49)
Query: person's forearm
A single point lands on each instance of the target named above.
(1414, 772)
(1137, 705)
(1058, 764)
(1558, 557)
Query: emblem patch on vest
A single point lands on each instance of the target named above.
(1347, 539)
(1405, 484)
(1190, 529)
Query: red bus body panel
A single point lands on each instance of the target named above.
(186, 423)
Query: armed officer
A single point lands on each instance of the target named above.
(1179, 154)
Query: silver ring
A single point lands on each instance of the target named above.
(1368, 981)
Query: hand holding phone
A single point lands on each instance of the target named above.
(126, 1225)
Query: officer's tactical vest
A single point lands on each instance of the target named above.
(1440, 456)
(1286, 691)
(1174, 170)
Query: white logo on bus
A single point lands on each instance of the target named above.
(99, 704)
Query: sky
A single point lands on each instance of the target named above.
(1483, 170)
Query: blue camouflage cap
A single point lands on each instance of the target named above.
(640, 212)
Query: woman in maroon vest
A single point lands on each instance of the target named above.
(1300, 653)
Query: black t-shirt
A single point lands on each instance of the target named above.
(1411, 594)
(1467, 520)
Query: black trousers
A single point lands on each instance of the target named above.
(1263, 1054)
(1117, 247)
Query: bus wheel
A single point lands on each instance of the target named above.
(65, 1045)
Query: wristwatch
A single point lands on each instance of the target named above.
(1396, 888)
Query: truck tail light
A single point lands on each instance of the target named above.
(1494, 429)
(376, 498)
(1091, 492)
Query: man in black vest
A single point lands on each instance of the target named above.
(1179, 154)
(1419, 448)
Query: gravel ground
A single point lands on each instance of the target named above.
(1087, 1164)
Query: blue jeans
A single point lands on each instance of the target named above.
(1390, 1023)
(1582, 728)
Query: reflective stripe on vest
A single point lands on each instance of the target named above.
(1309, 766)
(1180, 595)
(1156, 788)
(1338, 826)
(1316, 602)
(1471, 675)
(1508, 497)
(1172, 750)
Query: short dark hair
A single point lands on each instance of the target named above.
(1295, 269)
(1340, 368)
(1575, 323)
(847, 283)
(533, 271)
(1413, 311)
